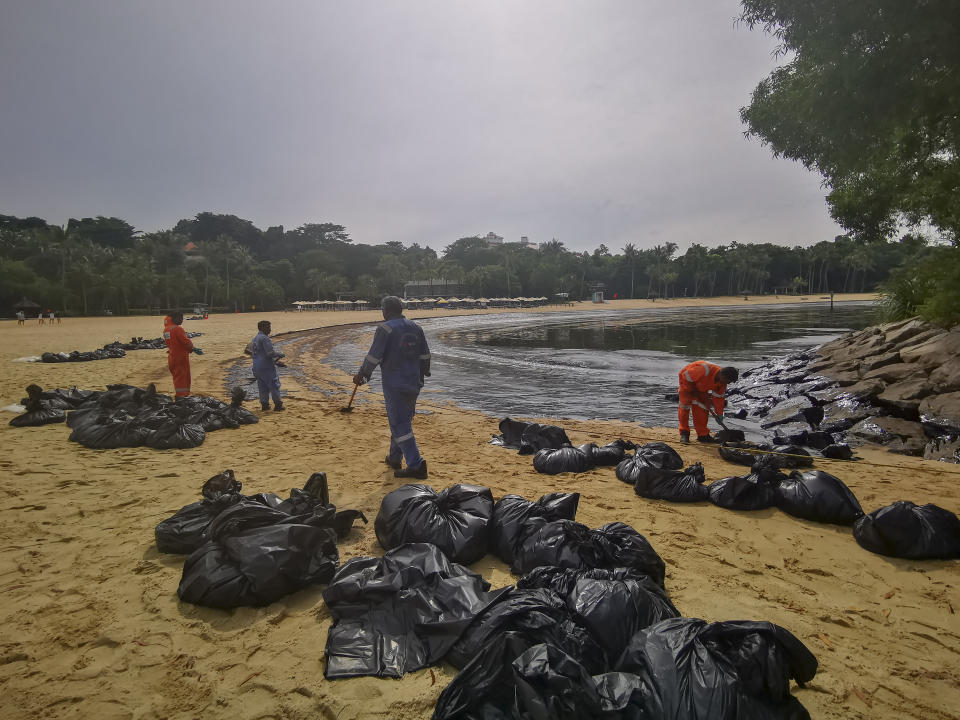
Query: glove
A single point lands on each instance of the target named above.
(281, 355)
(198, 351)
(359, 379)
(280, 364)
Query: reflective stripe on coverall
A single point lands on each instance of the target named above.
(400, 349)
(698, 390)
(179, 348)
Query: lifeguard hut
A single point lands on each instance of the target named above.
(596, 290)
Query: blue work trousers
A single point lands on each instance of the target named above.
(269, 386)
(401, 406)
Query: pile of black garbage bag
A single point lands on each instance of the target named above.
(589, 630)
(128, 416)
(254, 550)
(108, 351)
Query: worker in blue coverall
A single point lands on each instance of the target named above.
(265, 360)
(400, 349)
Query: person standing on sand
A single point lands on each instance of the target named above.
(265, 366)
(52, 318)
(400, 349)
(702, 389)
(20, 317)
(39, 318)
(179, 348)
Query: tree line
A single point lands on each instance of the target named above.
(94, 265)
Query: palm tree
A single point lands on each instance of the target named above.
(631, 254)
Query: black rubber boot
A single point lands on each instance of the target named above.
(684, 436)
(395, 464)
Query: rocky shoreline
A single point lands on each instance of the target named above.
(895, 385)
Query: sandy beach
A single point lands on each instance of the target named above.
(92, 626)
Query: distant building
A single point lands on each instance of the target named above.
(437, 287)
(525, 242)
(492, 239)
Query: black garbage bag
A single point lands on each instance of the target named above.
(568, 544)
(735, 670)
(511, 431)
(38, 411)
(819, 496)
(609, 454)
(72, 397)
(792, 456)
(400, 613)
(236, 412)
(512, 511)
(528, 438)
(172, 433)
(454, 520)
(730, 435)
(538, 437)
(315, 498)
(741, 453)
(659, 455)
(673, 485)
(603, 599)
(755, 491)
(514, 677)
(183, 532)
(905, 530)
(256, 555)
(561, 460)
(209, 413)
(108, 430)
(38, 416)
(748, 453)
(539, 614)
(649, 461)
(837, 451)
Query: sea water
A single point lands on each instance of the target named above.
(606, 364)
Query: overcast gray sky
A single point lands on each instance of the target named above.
(591, 121)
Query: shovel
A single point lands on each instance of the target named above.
(349, 407)
(719, 421)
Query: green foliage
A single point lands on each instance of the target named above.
(928, 286)
(870, 98)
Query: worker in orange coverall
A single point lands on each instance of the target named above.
(702, 387)
(179, 348)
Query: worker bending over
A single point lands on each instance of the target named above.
(702, 389)
(179, 348)
(400, 349)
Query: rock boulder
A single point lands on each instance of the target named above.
(943, 409)
(896, 372)
(906, 395)
(936, 351)
(946, 378)
(886, 430)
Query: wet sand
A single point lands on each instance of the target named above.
(92, 626)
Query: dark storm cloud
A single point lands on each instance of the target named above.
(593, 122)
